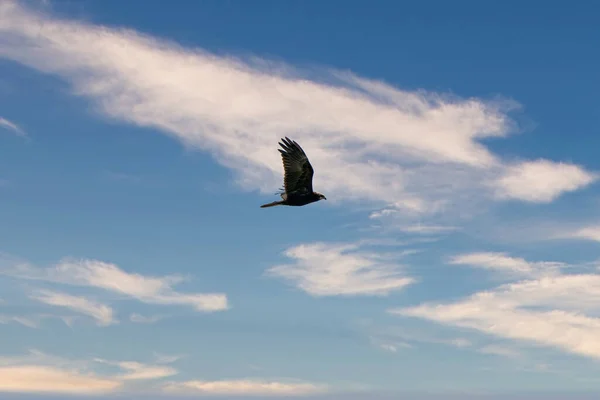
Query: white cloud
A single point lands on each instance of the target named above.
(322, 269)
(11, 126)
(102, 313)
(246, 387)
(501, 262)
(414, 151)
(109, 277)
(542, 181)
(557, 311)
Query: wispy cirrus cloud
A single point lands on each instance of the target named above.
(558, 310)
(23, 320)
(103, 314)
(322, 269)
(111, 278)
(503, 263)
(246, 387)
(11, 126)
(35, 320)
(412, 152)
(139, 371)
(396, 337)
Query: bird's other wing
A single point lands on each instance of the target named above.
(298, 172)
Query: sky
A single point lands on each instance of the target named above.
(456, 255)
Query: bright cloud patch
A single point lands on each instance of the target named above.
(109, 277)
(242, 387)
(322, 269)
(542, 181)
(558, 311)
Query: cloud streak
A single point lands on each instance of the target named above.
(11, 126)
(246, 387)
(503, 263)
(109, 277)
(138, 371)
(103, 314)
(25, 321)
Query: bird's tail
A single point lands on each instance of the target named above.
(273, 204)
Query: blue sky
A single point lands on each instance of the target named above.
(456, 252)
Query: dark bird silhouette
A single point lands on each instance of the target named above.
(297, 187)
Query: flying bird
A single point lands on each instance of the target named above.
(297, 187)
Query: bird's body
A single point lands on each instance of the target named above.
(298, 173)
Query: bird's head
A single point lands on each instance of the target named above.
(321, 196)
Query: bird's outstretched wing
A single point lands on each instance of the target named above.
(298, 172)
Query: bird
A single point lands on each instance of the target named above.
(297, 187)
